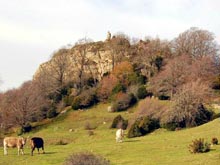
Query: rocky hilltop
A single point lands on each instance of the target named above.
(90, 59)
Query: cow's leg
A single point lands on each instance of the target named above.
(5, 150)
(33, 148)
(43, 149)
(18, 150)
(38, 150)
(22, 151)
(120, 139)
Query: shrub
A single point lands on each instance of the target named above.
(170, 126)
(52, 112)
(148, 125)
(27, 128)
(199, 146)
(91, 82)
(134, 130)
(90, 132)
(143, 126)
(85, 99)
(118, 88)
(163, 97)
(88, 98)
(76, 103)
(142, 92)
(68, 100)
(86, 159)
(106, 86)
(61, 142)
(214, 141)
(153, 108)
(119, 122)
(123, 101)
(215, 116)
(89, 126)
(188, 107)
(188, 118)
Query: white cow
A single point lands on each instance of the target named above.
(13, 142)
(119, 135)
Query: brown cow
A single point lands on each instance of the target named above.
(13, 142)
(37, 142)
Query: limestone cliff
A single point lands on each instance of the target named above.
(94, 59)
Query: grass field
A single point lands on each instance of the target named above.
(160, 147)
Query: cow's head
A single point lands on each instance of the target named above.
(23, 140)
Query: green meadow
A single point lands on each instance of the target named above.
(66, 135)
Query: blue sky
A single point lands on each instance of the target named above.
(31, 30)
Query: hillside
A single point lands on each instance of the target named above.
(170, 85)
(159, 147)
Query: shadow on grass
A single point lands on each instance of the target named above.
(49, 153)
(135, 140)
(212, 149)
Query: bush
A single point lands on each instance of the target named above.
(61, 142)
(148, 125)
(170, 126)
(153, 108)
(215, 116)
(188, 107)
(134, 130)
(199, 146)
(119, 122)
(105, 87)
(142, 92)
(76, 103)
(86, 159)
(118, 88)
(90, 132)
(214, 141)
(27, 128)
(52, 112)
(89, 126)
(68, 100)
(85, 99)
(163, 97)
(24, 129)
(143, 126)
(123, 101)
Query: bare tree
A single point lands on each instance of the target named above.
(196, 43)
(188, 106)
(81, 61)
(20, 106)
(53, 75)
(173, 75)
(181, 70)
(150, 55)
(119, 46)
(7, 119)
(204, 69)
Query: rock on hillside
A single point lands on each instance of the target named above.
(94, 59)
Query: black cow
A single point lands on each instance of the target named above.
(37, 142)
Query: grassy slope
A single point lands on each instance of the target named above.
(160, 147)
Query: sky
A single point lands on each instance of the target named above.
(32, 30)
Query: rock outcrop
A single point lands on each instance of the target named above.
(93, 59)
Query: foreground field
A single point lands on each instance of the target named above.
(159, 147)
